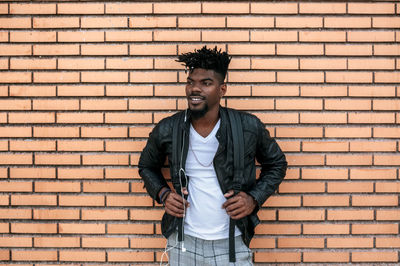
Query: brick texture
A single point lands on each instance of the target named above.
(82, 84)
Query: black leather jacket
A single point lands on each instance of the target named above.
(257, 145)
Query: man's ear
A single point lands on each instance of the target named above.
(222, 89)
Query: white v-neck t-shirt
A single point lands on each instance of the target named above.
(205, 218)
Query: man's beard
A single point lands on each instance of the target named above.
(196, 114)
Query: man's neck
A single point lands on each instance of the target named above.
(204, 125)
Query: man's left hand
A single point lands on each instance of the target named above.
(240, 205)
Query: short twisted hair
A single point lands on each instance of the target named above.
(210, 59)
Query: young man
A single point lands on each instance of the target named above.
(211, 208)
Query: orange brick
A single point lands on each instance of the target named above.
(15, 49)
(58, 132)
(151, 77)
(369, 146)
(105, 242)
(130, 228)
(344, 242)
(15, 214)
(273, 8)
(54, 187)
(80, 8)
(316, 64)
(104, 49)
(372, 118)
(81, 36)
(344, 215)
(15, 242)
(375, 200)
(279, 118)
(370, 36)
(278, 229)
(177, 8)
(371, 8)
(366, 64)
(298, 104)
(79, 118)
(301, 215)
(305, 187)
(348, 159)
(105, 159)
(353, 187)
(348, 50)
(96, 187)
(37, 117)
(386, 105)
(386, 242)
(387, 77)
(123, 256)
(57, 159)
(80, 145)
(104, 215)
(386, 132)
(130, 90)
(15, 159)
(128, 118)
(33, 228)
(4, 37)
(32, 200)
(80, 173)
(322, 201)
(251, 104)
(334, 146)
(325, 117)
(387, 160)
(92, 201)
(32, 8)
(104, 132)
(104, 77)
(37, 63)
(125, 146)
(152, 104)
(289, 63)
(3, 8)
(15, 77)
(87, 256)
(77, 63)
(252, 76)
(32, 91)
(372, 174)
(384, 49)
(87, 90)
(348, 132)
(148, 242)
(59, 214)
(298, 22)
(177, 36)
(56, 77)
(54, 22)
(249, 22)
(104, 22)
(146, 215)
(55, 104)
(251, 49)
(129, 201)
(345, 104)
(345, 22)
(128, 63)
(282, 90)
(387, 187)
(121, 173)
(104, 104)
(348, 77)
(35, 173)
(122, 36)
(4, 64)
(33, 36)
(128, 8)
(152, 49)
(86, 228)
(273, 36)
(294, 257)
(56, 242)
(385, 22)
(300, 243)
(299, 49)
(299, 132)
(322, 8)
(374, 256)
(223, 8)
(379, 229)
(34, 255)
(325, 173)
(3, 145)
(326, 256)
(15, 105)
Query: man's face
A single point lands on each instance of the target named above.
(204, 90)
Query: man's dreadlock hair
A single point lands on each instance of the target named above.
(210, 59)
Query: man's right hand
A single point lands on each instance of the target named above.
(174, 204)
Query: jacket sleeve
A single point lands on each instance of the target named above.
(273, 166)
(151, 161)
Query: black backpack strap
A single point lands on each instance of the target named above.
(238, 167)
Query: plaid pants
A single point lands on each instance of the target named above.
(200, 252)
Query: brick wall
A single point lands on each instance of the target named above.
(83, 83)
